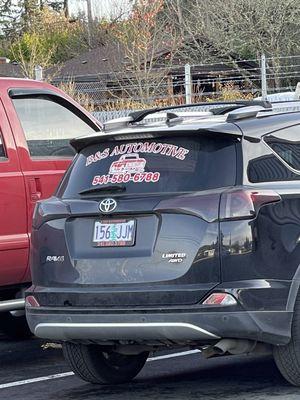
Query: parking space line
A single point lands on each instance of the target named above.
(34, 380)
(67, 374)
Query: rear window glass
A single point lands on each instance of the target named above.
(152, 166)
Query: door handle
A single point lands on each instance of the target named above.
(35, 189)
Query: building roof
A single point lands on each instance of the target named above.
(104, 59)
(11, 70)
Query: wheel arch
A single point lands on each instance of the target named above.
(294, 290)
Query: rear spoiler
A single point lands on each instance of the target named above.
(142, 133)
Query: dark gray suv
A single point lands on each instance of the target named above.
(177, 233)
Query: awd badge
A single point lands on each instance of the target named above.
(174, 257)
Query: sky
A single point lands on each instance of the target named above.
(100, 8)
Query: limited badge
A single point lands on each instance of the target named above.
(174, 257)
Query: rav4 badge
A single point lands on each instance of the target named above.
(55, 258)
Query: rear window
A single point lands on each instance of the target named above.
(153, 166)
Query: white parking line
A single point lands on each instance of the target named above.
(67, 374)
(34, 380)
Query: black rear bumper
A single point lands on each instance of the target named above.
(183, 327)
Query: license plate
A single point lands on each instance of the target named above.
(114, 233)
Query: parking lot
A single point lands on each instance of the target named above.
(30, 372)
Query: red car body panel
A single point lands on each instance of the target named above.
(23, 181)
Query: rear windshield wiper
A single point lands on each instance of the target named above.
(111, 188)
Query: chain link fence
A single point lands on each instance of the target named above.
(243, 79)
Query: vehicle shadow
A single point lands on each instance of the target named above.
(226, 378)
(188, 377)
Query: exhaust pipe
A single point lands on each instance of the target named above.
(12, 305)
(236, 347)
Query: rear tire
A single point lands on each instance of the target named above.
(94, 365)
(14, 326)
(287, 357)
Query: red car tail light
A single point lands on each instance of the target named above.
(31, 302)
(244, 204)
(222, 299)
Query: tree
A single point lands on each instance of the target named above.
(9, 13)
(237, 29)
(49, 39)
(148, 42)
(57, 5)
(32, 50)
(16, 15)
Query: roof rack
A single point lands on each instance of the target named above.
(247, 112)
(138, 116)
(235, 109)
(281, 107)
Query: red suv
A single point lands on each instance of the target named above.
(37, 122)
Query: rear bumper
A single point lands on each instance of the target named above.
(182, 327)
(175, 331)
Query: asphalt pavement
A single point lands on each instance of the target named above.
(29, 372)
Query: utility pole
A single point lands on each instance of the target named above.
(66, 8)
(89, 22)
(188, 84)
(179, 12)
(263, 67)
(38, 73)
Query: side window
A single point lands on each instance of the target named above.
(286, 144)
(3, 156)
(284, 165)
(269, 169)
(49, 126)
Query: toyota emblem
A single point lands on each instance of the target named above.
(107, 205)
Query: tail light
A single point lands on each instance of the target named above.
(244, 204)
(52, 209)
(221, 299)
(31, 302)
